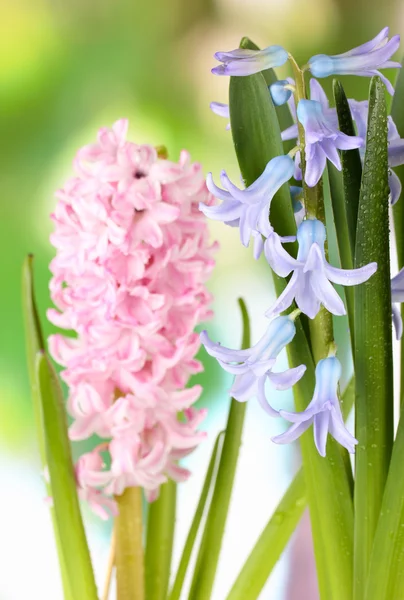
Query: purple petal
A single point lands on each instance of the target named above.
(258, 244)
(315, 259)
(229, 210)
(326, 294)
(315, 164)
(397, 321)
(242, 62)
(278, 259)
(368, 46)
(285, 299)
(397, 287)
(348, 142)
(290, 133)
(262, 399)
(321, 424)
(340, 433)
(350, 276)
(215, 190)
(292, 433)
(396, 152)
(288, 378)
(395, 187)
(244, 387)
(306, 300)
(317, 93)
(218, 351)
(220, 109)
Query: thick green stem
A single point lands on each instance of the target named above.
(159, 545)
(208, 557)
(129, 546)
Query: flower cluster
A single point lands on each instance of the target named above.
(133, 256)
(310, 285)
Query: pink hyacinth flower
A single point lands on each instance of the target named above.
(129, 277)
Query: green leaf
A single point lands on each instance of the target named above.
(34, 344)
(373, 339)
(159, 545)
(257, 139)
(351, 178)
(386, 571)
(193, 531)
(209, 551)
(271, 543)
(285, 118)
(63, 484)
(345, 189)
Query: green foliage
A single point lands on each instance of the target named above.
(373, 339)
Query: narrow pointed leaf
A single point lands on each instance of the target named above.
(208, 557)
(34, 344)
(373, 339)
(159, 545)
(257, 139)
(351, 176)
(345, 189)
(200, 509)
(63, 484)
(271, 543)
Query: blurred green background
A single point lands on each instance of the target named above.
(67, 68)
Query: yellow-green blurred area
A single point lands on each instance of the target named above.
(68, 68)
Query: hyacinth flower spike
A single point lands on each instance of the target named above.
(323, 412)
(323, 139)
(241, 62)
(254, 366)
(249, 208)
(310, 283)
(365, 60)
(397, 296)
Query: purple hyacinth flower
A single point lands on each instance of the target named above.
(222, 110)
(323, 139)
(280, 91)
(397, 296)
(254, 366)
(323, 412)
(360, 112)
(310, 283)
(243, 61)
(365, 60)
(249, 208)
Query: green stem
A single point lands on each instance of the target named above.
(209, 552)
(129, 547)
(159, 545)
(271, 542)
(193, 531)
